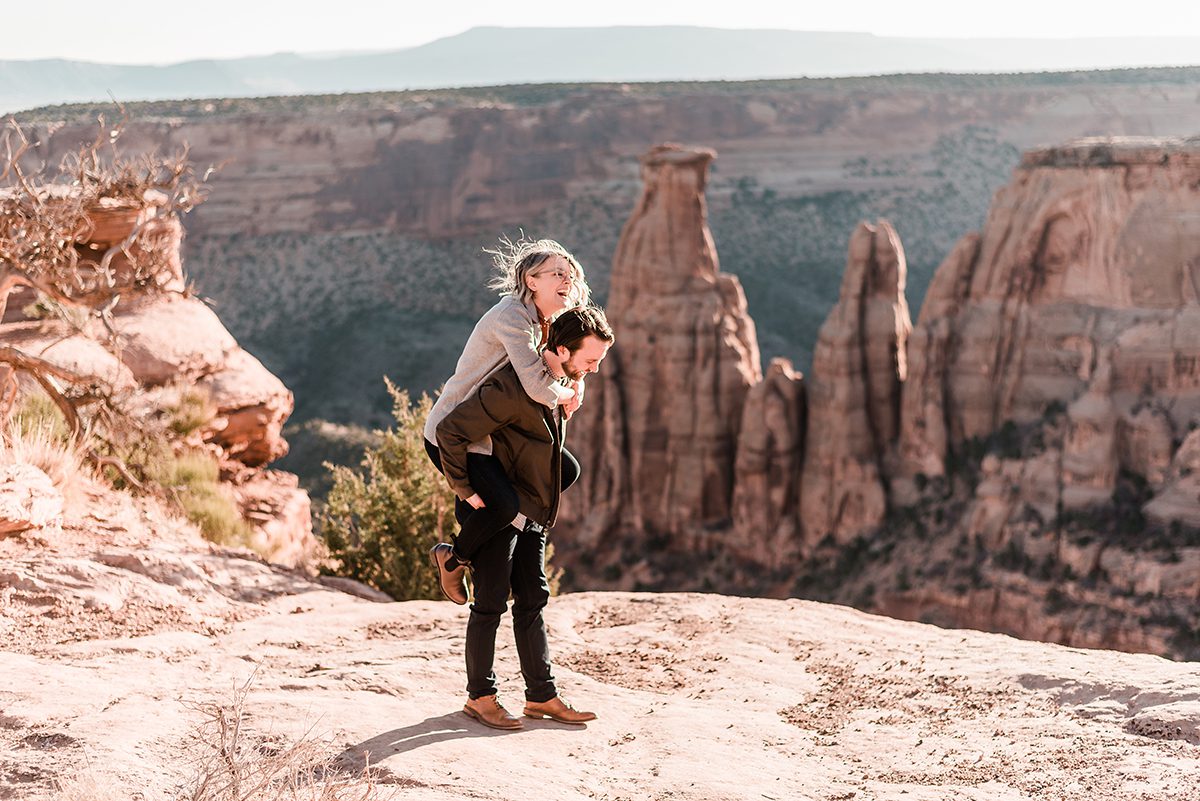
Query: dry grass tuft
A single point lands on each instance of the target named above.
(233, 762)
(90, 786)
(62, 461)
(228, 760)
(190, 411)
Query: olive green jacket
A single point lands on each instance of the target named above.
(527, 438)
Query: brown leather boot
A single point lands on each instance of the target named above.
(487, 710)
(452, 583)
(557, 709)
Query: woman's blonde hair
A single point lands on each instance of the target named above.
(516, 261)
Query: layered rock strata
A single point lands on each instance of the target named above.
(661, 437)
(766, 493)
(1024, 460)
(1064, 340)
(1082, 292)
(854, 392)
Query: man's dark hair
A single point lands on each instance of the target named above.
(571, 327)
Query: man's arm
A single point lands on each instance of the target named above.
(480, 415)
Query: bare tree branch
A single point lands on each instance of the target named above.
(98, 228)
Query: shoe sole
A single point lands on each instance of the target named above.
(471, 713)
(548, 716)
(437, 569)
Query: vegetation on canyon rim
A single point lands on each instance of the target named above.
(76, 426)
(380, 521)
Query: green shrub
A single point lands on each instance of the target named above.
(36, 412)
(380, 520)
(192, 479)
(217, 516)
(190, 412)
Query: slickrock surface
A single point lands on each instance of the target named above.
(699, 697)
(660, 437)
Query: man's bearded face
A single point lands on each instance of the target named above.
(586, 359)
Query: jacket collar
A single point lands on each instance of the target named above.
(530, 309)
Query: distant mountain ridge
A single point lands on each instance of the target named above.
(491, 56)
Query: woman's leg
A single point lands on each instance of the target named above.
(570, 469)
(461, 507)
(489, 480)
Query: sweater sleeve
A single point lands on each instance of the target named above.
(485, 412)
(536, 379)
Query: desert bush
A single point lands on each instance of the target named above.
(380, 520)
(191, 410)
(192, 479)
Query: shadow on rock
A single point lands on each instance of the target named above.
(451, 726)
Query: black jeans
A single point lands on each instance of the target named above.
(516, 561)
(490, 481)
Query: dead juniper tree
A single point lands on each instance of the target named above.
(82, 234)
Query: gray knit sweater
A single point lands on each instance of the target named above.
(508, 332)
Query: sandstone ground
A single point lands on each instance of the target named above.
(699, 696)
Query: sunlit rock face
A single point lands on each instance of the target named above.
(1084, 280)
(766, 495)
(168, 346)
(854, 392)
(660, 437)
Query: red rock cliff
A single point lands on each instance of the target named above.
(854, 392)
(660, 436)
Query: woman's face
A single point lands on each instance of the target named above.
(552, 286)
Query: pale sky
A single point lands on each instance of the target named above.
(151, 31)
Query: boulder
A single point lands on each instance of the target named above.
(280, 515)
(1179, 499)
(1145, 439)
(252, 406)
(174, 338)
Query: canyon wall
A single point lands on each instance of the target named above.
(1022, 460)
(355, 223)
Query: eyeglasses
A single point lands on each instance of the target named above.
(560, 275)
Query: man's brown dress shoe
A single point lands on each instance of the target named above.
(487, 710)
(453, 583)
(557, 709)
